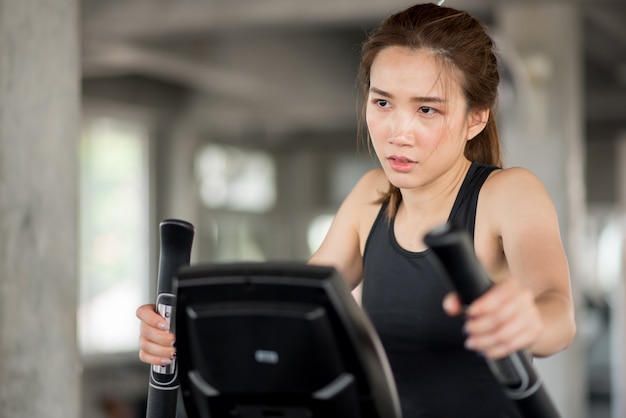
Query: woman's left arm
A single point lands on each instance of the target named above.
(532, 306)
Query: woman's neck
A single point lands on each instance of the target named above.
(435, 198)
(423, 209)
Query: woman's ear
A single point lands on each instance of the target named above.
(476, 122)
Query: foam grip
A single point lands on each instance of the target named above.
(161, 404)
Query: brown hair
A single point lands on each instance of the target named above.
(460, 42)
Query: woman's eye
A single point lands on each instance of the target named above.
(382, 103)
(425, 110)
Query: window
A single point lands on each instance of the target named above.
(114, 237)
(237, 179)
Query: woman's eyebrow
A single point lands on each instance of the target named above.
(418, 99)
(380, 92)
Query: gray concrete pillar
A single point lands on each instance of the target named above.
(543, 131)
(39, 127)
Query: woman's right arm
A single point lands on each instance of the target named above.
(342, 247)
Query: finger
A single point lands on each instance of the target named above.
(515, 341)
(522, 330)
(519, 332)
(489, 322)
(498, 295)
(452, 304)
(148, 315)
(152, 353)
(155, 335)
(498, 352)
(505, 344)
(500, 342)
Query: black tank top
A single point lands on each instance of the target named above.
(402, 294)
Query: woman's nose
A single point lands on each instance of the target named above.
(401, 133)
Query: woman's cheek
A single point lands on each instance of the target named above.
(375, 137)
(376, 127)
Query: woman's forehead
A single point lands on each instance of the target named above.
(413, 71)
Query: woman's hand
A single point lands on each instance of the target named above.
(504, 320)
(156, 343)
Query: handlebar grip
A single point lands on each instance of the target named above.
(515, 373)
(176, 238)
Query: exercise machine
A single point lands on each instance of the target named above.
(264, 340)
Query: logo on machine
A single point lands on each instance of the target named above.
(266, 356)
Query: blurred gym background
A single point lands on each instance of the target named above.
(240, 117)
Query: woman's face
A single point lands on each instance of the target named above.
(416, 116)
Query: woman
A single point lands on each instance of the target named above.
(429, 80)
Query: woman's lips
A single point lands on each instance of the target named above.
(401, 164)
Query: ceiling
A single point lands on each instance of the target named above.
(285, 66)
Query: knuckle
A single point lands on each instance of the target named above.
(509, 346)
(143, 345)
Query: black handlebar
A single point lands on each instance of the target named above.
(176, 239)
(515, 373)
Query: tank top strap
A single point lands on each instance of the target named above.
(463, 213)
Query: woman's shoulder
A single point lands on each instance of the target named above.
(364, 201)
(514, 181)
(373, 182)
(370, 187)
(515, 190)
(365, 194)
